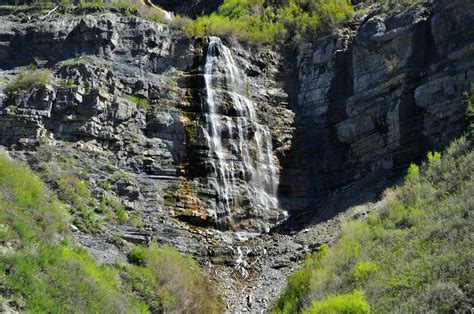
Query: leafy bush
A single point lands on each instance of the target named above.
(353, 303)
(298, 285)
(364, 269)
(29, 80)
(170, 282)
(413, 254)
(137, 255)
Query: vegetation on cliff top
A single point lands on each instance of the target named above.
(267, 21)
(257, 21)
(413, 254)
(29, 80)
(42, 271)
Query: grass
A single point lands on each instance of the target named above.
(142, 103)
(29, 80)
(414, 254)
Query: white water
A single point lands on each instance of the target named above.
(247, 146)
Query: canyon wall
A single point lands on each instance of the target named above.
(377, 96)
(207, 142)
(370, 97)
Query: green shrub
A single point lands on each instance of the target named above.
(137, 255)
(105, 184)
(72, 190)
(353, 303)
(363, 269)
(170, 282)
(25, 211)
(87, 221)
(298, 285)
(29, 80)
(413, 172)
(433, 157)
(121, 214)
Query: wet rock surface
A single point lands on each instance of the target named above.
(128, 97)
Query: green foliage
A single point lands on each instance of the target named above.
(298, 285)
(433, 157)
(170, 282)
(105, 184)
(46, 276)
(469, 104)
(29, 80)
(142, 103)
(26, 214)
(59, 279)
(353, 303)
(413, 172)
(121, 214)
(67, 83)
(75, 192)
(109, 167)
(87, 221)
(413, 254)
(267, 21)
(137, 255)
(364, 269)
(71, 189)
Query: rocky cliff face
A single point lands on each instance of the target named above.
(203, 128)
(103, 65)
(376, 97)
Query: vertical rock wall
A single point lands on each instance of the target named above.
(377, 98)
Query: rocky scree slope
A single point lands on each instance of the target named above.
(127, 95)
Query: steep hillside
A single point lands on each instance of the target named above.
(43, 269)
(413, 252)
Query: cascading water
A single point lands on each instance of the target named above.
(239, 145)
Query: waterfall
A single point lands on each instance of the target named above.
(239, 145)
